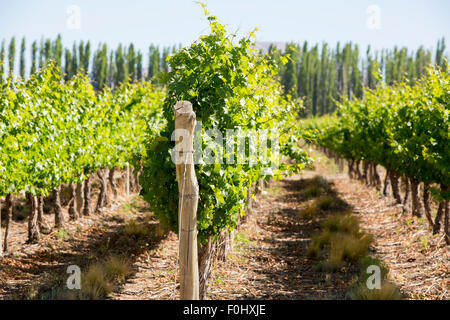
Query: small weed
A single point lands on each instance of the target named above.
(61, 234)
(424, 241)
(241, 240)
(274, 190)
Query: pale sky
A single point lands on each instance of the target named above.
(168, 22)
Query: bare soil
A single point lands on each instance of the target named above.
(268, 260)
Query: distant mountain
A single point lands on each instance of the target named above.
(264, 45)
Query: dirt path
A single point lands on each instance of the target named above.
(269, 256)
(419, 262)
(268, 261)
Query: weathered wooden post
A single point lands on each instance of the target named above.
(188, 199)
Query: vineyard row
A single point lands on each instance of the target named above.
(406, 129)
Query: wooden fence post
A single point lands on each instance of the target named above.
(188, 200)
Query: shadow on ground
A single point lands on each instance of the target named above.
(291, 274)
(43, 275)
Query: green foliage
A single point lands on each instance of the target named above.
(404, 127)
(62, 233)
(54, 132)
(230, 87)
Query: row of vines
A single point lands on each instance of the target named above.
(55, 132)
(230, 87)
(404, 128)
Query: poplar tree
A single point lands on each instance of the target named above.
(81, 58)
(47, 50)
(331, 91)
(86, 57)
(420, 62)
(22, 58)
(100, 68)
(41, 53)
(131, 63)
(121, 67)
(139, 67)
(68, 73)
(303, 73)
(165, 54)
(289, 79)
(356, 81)
(34, 53)
(12, 55)
(323, 82)
(111, 70)
(154, 62)
(58, 51)
(74, 68)
(2, 59)
(314, 80)
(439, 60)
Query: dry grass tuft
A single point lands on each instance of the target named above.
(388, 291)
(348, 247)
(309, 212)
(312, 192)
(98, 282)
(320, 182)
(136, 229)
(346, 223)
(345, 242)
(329, 266)
(95, 284)
(324, 202)
(117, 268)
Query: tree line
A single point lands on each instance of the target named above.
(322, 76)
(106, 67)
